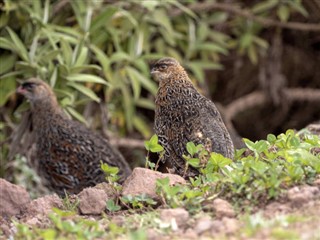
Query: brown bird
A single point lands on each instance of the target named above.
(184, 115)
(68, 154)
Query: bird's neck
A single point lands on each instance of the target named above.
(172, 89)
(43, 111)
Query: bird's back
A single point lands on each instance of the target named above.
(184, 115)
(70, 155)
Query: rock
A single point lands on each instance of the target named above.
(223, 208)
(43, 205)
(178, 216)
(231, 225)
(92, 201)
(190, 234)
(276, 208)
(301, 195)
(13, 198)
(216, 227)
(317, 182)
(143, 181)
(203, 224)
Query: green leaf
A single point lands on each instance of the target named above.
(6, 44)
(7, 62)
(191, 148)
(194, 162)
(297, 6)
(154, 140)
(119, 57)
(263, 6)
(19, 46)
(86, 91)
(210, 47)
(81, 77)
(283, 13)
(112, 206)
(271, 138)
(103, 18)
(145, 82)
(76, 115)
(141, 126)
(66, 51)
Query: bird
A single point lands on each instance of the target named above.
(183, 115)
(68, 155)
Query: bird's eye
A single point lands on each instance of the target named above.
(28, 85)
(163, 67)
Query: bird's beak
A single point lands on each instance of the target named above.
(20, 90)
(153, 71)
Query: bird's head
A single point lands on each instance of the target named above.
(36, 91)
(166, 68)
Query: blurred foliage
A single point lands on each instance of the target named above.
(100, 51)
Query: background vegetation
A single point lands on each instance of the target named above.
(256, 59)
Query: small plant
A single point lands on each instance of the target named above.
(153, 146)
(70, 203)
(112, 205)
(138, 202)
(272, 166)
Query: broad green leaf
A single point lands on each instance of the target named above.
(211, 47)
(145, 103)
(191, 148)
(54, 76)
(103, 18)
(283, 13)
(141, 126)
(7, 88)
(66, 51)
(154, 140)
(86, 91)
(119, 57)
(79, 69)
(298, 7)
(253, 55)
(46, 12)
(7, 62)
(81, 77)
(264, 6)
(6, 44)
(82, 57)
(260, 42)
(145, 82)
(194, 162)
(76, 115)
(128, 106)
(19, 46)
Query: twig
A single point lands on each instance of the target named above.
(208, 6)
(60, 5)
(127, 142)
(258, 98)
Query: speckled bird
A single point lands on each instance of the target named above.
(67, 153)
(183, 115)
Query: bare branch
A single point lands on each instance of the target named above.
(208, 6)
(127, 143)
(258, 98)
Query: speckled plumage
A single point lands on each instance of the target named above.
(67, 154)
(184, 115)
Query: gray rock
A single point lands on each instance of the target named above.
(13, 198)
(43, 205)
(301, 195)
(143, 181)
(180, 216)
(92, 201)
(223, 208)
(203, 224)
